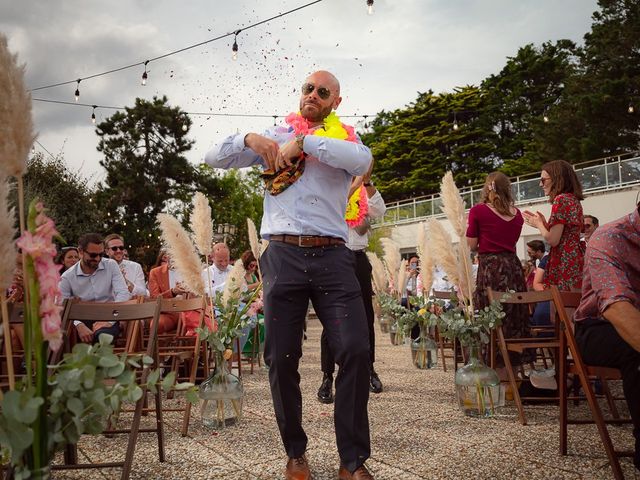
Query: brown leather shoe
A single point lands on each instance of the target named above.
(297, 469)
(361, 473)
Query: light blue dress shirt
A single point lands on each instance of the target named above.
(106, 284)
(315, 204)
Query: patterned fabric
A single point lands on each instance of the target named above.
(566, 259)
(502, 272)
(612, 267)
(278, 182)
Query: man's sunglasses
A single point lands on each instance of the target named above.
(95, 255)
(117, 247)
(323, 92)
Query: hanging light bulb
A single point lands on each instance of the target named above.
(366, 125)
(274, 120)
(234, 48)
(370, 7)
(33, 150)
(77, 93)
(630, 109)
(184, 127)
(545, 119)
(455, 122)
(93, 115)
(144, 74)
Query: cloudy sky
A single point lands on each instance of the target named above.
(382, 60)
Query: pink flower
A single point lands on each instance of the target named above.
(299, 123)
(39, 246)
(351, 133)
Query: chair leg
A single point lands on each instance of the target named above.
(159, 423)
(562, 385)
(610, 401)
(512, 378)
(192, 378)
(441, 347)
(133, 434)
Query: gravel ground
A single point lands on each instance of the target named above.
(417, 432)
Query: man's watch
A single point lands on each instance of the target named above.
(300, 141)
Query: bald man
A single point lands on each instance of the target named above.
(307, 167)
(217, 273)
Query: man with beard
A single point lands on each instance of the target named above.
(308, 169)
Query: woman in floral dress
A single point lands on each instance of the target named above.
(559, 181)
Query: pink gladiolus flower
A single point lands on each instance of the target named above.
(39, 246)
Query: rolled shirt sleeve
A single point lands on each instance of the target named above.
(610, 284)
(377, 208)
(353, 157)
(232, 153)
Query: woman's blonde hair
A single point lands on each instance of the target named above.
(497, 192)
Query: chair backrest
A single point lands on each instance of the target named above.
(519, 297)
(443, 294)
(174, 305)
(16, 312)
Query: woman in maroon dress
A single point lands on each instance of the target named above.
(493, 230)
(559, 181)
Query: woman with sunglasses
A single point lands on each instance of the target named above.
(560, 183)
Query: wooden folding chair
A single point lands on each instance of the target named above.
(10, 356)
(457, 353)
(585, 373)
(519, 345)
(129, 313)
(183, 350)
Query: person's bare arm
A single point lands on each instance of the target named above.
(625, 318)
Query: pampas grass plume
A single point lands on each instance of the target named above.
(7, 234)
(201, 224)
(380, 281)
(443, 251)
(16, 124)
(182, 252)
(402, 277)
(254, 240)
(391, 259)
(426, 260)
(453, 205)
(234, 283)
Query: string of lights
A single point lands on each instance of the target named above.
(144, 63)
(198, 114)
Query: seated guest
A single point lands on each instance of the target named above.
(165, 282)
(131, 271)
(67, 257)
(250, 267)
(590, 225)
(608, 318)
(94, 279)
(218, 271)
(535, 251)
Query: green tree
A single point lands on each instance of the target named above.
(146, 172)
(65, 194)
(413, 147)
(519, 99)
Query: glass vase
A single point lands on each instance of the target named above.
(424, 350)
(384, 323)
(221, 396)
(477, 385)
(396, 334)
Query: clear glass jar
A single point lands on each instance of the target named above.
(424, 350)
(221, 396)
(396, 334)
(477, 385)
(383, 320)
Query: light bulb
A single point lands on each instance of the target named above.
(77, 92)
(370, 7)
(185, 128)
(630, 109)
(545, 119)
(33, 150)
(144, 78)
(455, 126)
(234, 49)
(93, 118)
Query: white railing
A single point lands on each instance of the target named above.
(599, 175)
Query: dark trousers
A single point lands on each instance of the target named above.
(601, 345)
(291, 277)
(363, 274)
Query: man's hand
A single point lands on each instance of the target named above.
(265, 147)
(287, 154)
(85, 333)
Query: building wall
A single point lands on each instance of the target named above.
(606, 206)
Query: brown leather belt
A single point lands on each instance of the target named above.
(307, 241)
